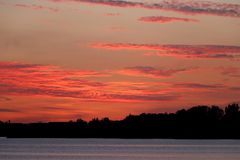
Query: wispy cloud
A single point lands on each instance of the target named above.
(30, 6)
(145, 97)
(186, 51)
(36, 7)
(2, 98)
(20, 79)
(183, 6)
(199, 86)
(235, 89)
(34, 79)
(230, 71)
(9, 110)
(162, 19)
(150, 71)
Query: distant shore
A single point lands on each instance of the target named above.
(199, 122)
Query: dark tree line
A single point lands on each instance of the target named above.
(200, 122)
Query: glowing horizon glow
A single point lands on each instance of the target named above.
(62, 60)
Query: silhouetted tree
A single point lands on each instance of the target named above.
(80, 121)
(215, 113)
(196, 122)
(232, 109)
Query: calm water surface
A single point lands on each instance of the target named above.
(118, 149)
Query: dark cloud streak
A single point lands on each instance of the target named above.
(162, 19)
(184, 6)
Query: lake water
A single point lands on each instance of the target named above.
(118, 149)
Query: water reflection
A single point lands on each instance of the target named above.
(118, 149)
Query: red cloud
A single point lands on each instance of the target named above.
(162, 19)
(187, 51)
(4, 99)
(33, 79)
(186, 6)
(42, 80)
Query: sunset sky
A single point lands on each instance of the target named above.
(66, 59)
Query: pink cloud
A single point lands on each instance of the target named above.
(162, 19)
(186, 51)
(186, 6)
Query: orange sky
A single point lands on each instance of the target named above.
(69, 59)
